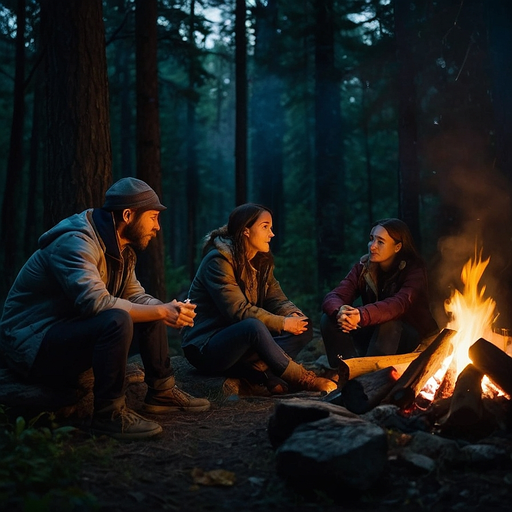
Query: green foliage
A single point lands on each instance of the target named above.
(38, 469)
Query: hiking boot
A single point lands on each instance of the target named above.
(257, 379)
(164, 397)
(123, 423)
(276, 385)
(296, 375)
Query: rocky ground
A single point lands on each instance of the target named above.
(222, 460)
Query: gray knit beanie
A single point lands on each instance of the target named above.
(132, 193)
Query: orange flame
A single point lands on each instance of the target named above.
(471, 315)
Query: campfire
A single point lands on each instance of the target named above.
(459, 378)
(472, 316)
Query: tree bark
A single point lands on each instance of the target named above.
(267, 117)
(192, 173)
(12, 205)
(329, 165)
(241, 103)
(150, 268)
(408, 164)
(79, 163)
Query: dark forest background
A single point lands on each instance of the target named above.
(334, 113)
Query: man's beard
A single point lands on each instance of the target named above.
(137, 239)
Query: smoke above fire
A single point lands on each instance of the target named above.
(476, 199)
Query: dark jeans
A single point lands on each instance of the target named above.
(394, 337)
(246, 341)
(101, 342)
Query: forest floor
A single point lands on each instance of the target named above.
(222, 460)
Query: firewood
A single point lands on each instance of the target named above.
(466, 404)
(352, 368)
(420, 370)
(493, 362)
(363, 393)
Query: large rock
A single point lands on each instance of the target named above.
(291, 413)
(336, 453)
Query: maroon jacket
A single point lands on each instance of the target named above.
(402, 295)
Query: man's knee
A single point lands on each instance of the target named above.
(119, 323)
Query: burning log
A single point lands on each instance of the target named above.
(352, 368)
(493, 362)
(466, 406)
(363, 393)
(421, 369)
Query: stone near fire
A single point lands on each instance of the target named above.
(487, 454)
(389, 417)
(435, 447)
(336, 454)
(291, 413)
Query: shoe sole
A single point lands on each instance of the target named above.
(164, 409)
(127, 436)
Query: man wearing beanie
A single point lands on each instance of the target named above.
(77, 304)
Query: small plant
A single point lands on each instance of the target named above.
(38, 469)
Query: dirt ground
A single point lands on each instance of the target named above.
(222, 460)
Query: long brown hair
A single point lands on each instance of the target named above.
(400, 233)
(242, 217)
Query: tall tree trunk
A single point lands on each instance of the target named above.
(126, 107)
(151, 269)
(79, 163)
(500, 45)
(329, 165)
(12, 202)
(268, 117)
(34, 210)
(191, 175)
(367, 151)
(409, 172)
(241, 103)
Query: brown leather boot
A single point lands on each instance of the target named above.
(164, 397)
(296, 375)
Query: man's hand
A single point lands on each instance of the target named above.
(348, 318)
(295, 324)
(179, 314)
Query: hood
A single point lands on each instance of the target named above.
(78, 223)
(224, 246)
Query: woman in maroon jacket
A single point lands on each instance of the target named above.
(391, 281)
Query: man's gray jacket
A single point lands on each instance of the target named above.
(77, 272)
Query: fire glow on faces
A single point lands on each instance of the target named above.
(382, 248)
(258, 236)
(142, 229)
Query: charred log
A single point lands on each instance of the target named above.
(420, 370)
(363, 393)
(466, 405)
(493, 362)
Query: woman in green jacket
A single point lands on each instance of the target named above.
(245, 326)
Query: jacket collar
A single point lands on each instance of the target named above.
(370, 272)
(106, 228)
